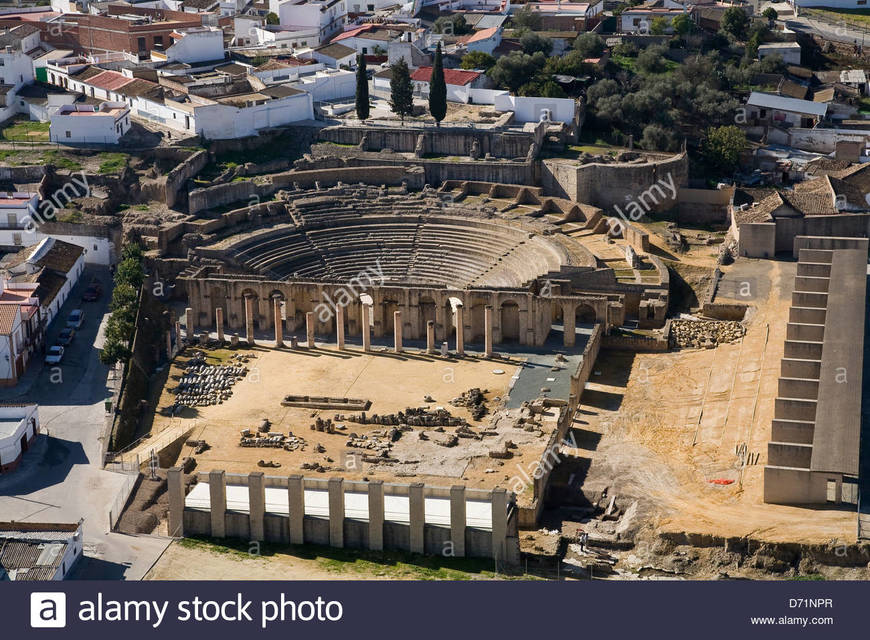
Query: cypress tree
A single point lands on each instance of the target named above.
(438, 89)
(362, 89)
(401, 91)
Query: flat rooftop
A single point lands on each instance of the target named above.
(8, 426)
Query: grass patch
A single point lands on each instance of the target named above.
(26, 130)
(860, 17)
(60, 161)
(384, 564)
(112, 162)
(73, 216)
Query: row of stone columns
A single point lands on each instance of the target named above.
(296, 502)
(310, 324)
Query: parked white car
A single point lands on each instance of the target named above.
(54, 355)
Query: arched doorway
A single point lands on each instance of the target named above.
(510, 322)
(585, 314)
(255, 307)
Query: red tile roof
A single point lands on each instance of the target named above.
(353, 32)
(109, 80)
(477, 36)
(456, 77)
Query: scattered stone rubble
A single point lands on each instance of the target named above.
(415, 417)
(474, 400)
(275, 440)
(705, 334)
(204, 384)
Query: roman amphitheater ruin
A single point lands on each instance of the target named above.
(512, 289)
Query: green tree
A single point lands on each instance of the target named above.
(401, 91)
(272, 18)
(515, 69)
(657, 138)
(526, 18)
(682, 24)
(477, 60)
(770, 13)
(130, 271)
(735, 21)
(589, 45)
(652, 60)
(363, 108)
(658, 26)
(533, 42)
(454, 25)
(722, 147)
(438, 89)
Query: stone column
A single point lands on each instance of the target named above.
(190, 324)
(460, 332)
(397, 331)
(376, 515)
(175, 488)
(168, 344)
(257, 506)
(296, 502)
(569, 324)
(249, 320)
(499, 524)
(430, 336)
(336, 512)
(219, 323)
(417, 512)
(457, 520)
(178, 334)
(217, 491)
(309, 329)
(279, 325)
(366, 327)
(339, 327)
(487, 331)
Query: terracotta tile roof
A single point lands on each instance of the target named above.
(761, 211)
(813, 197)
(110, 80)
(477, 36)
(61, 257)
(456, 77)
(9, 315)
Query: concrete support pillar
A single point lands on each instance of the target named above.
(460, 332)
(219, 323)
(397, 331)
(376, 515)
(178, 334)
(430, 336)
(175, 488)
(336, 512)
(189, 322)
(257, 506)
(168, 344)
(499, 525)
(279, 324)
(339, 327)
(457, 520)
(487, 331)
(309, 328)
(366, 327)
(569, 323)
(296, 502)
(417, 525)
(249, 320)
(217, 491)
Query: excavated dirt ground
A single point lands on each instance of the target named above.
(664, 426)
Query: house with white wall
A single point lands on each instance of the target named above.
(459, 82)
(19, 426)
(104, 123)
(16, 66)
(328, 17)
(329, 84)
(193, 44)
(39, 552)
(485, 40)
(16, 208)
(790, 52)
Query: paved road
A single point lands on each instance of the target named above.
(61, 478)
(841, 32)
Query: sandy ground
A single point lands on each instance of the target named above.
(675, 424)
(391, 382)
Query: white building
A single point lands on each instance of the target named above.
(38, 552)
(16, 66)
(19, 426)
(640, 20)
(330, 84)
(789, 51)
(194, 44)
(327, 16)
(485, 40)
(104, 123)
(16, 209)
(335, 55)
